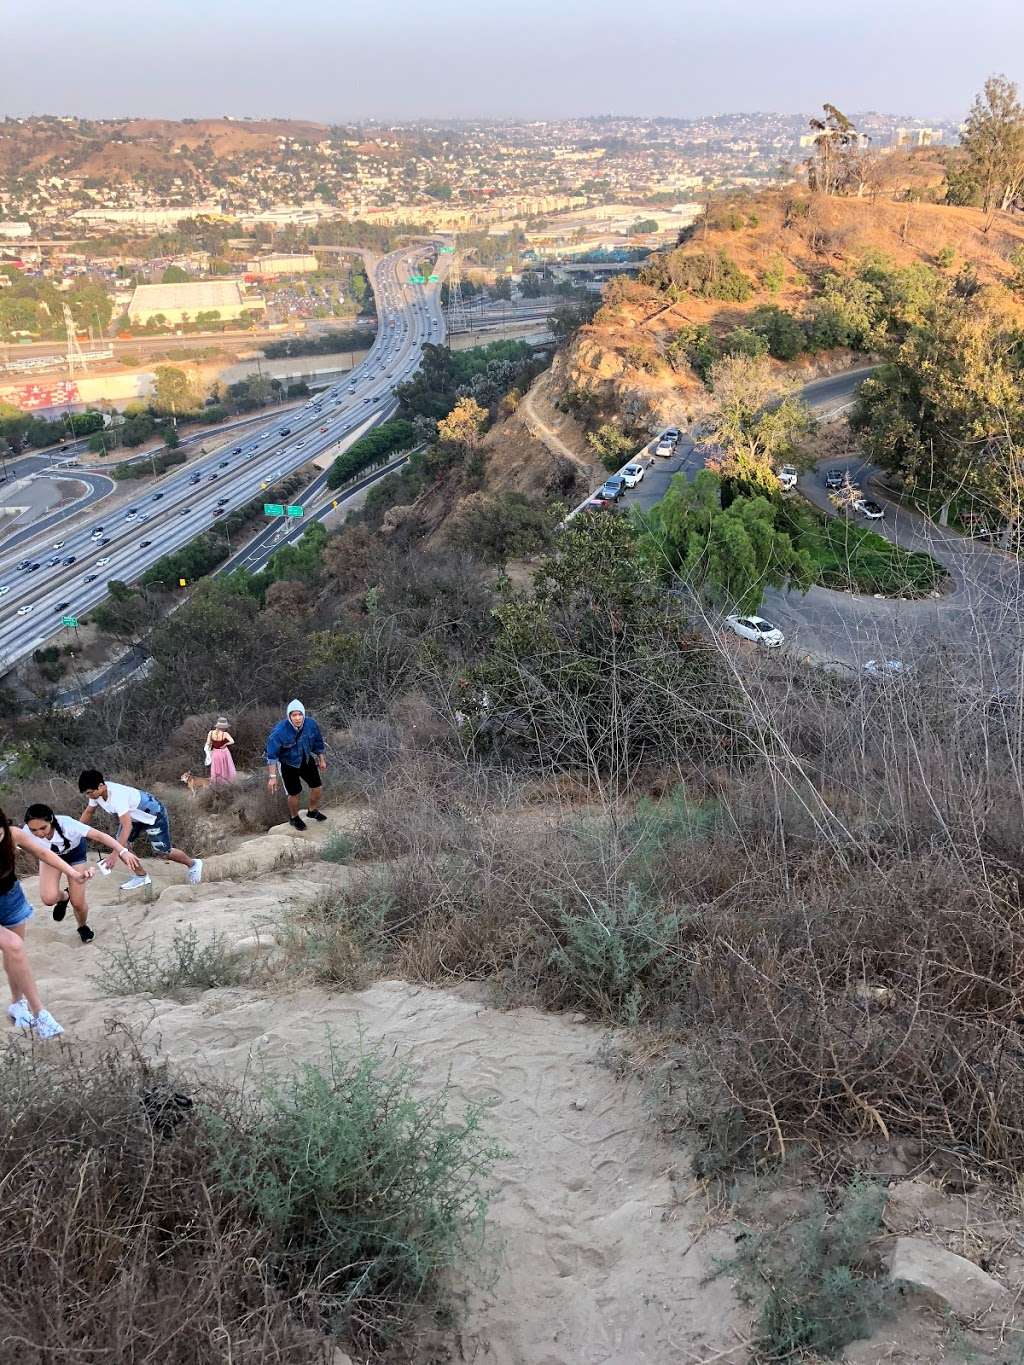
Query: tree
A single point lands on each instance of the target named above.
(728, 553)
(502, 288)
(175, 275)
(464, 425)
(172, 389)
(994, 141)
(756, 420)
(836, 144)
(612, 447)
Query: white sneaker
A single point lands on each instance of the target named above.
(45, 1026)
(20, 1013)
(195, 872)
(133, 883)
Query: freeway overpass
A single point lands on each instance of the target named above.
(75, 559)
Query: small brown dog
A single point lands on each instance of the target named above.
(195, 784)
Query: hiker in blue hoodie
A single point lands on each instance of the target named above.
(296, 746)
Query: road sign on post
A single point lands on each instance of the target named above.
(434, 279)
(70, 621)
(181, 582)
(447, 250)
(273, 509)
(293, 511)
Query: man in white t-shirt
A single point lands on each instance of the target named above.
(138, 812)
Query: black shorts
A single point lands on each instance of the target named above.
(307, 772)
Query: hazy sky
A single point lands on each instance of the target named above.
(338, 59)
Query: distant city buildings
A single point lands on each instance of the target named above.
(14, 232)
(917, 137)
(283, 263)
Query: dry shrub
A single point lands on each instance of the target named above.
(111, 1245)
(249, 728)
(149, 1221)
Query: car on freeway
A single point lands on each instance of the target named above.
(323, 428)
(212, 477)
(787, 476)
(237, 450)
(131, 513)
(61, 606)
(872, 510)
(68, 559)
(196, 478)
(58, 545)
(223, 464)
(102, 563)
(145, 544)
(756, 628)
(24, 564)
(221, 501)
(157, 497)
(251, 456)
(632, 474)
(97, 533)
(103, 540)
(52, 563)
(24, 611)
(90, 578)
(884, 668)
(31, 568)
(612, 488)
(366, 400)
(218, 511)
(286, 431)
(4, 590)
(835, 478)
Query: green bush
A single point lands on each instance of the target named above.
(145, 969)
(370, 1195)
(371, 449)
(811, 1280)
(338, 847)
(616, 956)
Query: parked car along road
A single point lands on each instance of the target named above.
(756, 628)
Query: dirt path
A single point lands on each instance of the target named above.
(538, 428)
(601, 1252)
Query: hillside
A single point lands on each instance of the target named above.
(783, 245)
(119, 149)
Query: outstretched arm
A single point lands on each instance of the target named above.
(45, 855)
(127, 857)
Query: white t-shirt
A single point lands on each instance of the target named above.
(121, 800)
(74, 833)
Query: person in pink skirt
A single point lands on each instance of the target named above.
(219, 742)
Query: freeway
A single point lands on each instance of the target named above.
(73, 568)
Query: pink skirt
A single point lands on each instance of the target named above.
(222, 767)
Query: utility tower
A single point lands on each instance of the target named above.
(74, 351)
(457, 320)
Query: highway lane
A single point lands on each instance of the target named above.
(171, 511)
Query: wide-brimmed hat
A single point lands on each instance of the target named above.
(222, 722)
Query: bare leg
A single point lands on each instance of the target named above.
(293, 806)
(315, 795)
(76, 892)
(19, 973)
(176, 856)
(49, 885)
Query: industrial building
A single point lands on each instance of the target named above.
(185, 302)
(283, 263)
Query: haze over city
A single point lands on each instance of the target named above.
(455, 59)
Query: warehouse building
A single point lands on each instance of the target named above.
(283, 263)
(192, 302)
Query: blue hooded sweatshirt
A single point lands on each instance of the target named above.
(285, 744)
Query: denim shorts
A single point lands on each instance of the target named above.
(76, 854)
(14, 907)
(158, 833)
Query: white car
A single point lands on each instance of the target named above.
(872, 510)
(102, 563)
(58, 545)
(883, 668)
(632, 474)
(756, 628)
(24, 611)
(787, 476)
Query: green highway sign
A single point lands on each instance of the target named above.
(273, 509)
(294, 511)
(70, 621)
(434, 279)
(447, 249)
(417, 279)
